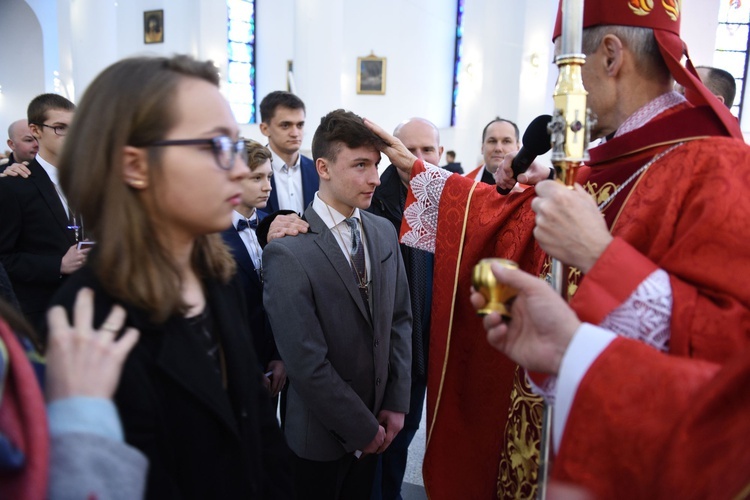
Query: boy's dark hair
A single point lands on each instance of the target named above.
(342, 128)
(450, 152)
(37, 111)
(498, 119)
(275, 99)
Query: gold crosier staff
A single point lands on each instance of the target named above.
(569, 133)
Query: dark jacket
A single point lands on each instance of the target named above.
(34, 236)
(201, 441)
(252, 286)
(310, 184)
(386, 202)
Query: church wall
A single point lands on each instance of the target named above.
(323, 38)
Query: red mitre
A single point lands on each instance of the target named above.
(663, 16)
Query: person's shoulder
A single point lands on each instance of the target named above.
(306, 161)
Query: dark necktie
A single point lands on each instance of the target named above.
(243, 224)
(358, 261)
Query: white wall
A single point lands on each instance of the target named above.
(79, 38)
(22, 75)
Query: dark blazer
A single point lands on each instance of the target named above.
(310, 183)
(201, 441)
(454, 167)
(33, 238)
(344, 366)
(260, 328)
(386, 202)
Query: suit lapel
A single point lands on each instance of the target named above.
(309, 179)
(49, 194)
(375, 274)
(239, 250)
(273, 199)
(330, 247)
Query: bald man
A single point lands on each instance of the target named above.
(422, 138)
(22, 143)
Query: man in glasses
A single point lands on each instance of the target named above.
(38, 236)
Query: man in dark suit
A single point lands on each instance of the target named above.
(38, 235)
(243, 242)
(295, 180)
(338, 300)
(422, 138)
(452, 165)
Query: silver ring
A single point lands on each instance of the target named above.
(109, 328)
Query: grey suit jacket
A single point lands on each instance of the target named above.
(343, 366)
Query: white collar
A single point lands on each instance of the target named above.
(51, 170)
(330, 216)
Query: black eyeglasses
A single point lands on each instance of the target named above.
(60, 130)
(225, 149)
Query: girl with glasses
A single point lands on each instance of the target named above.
(153, 164)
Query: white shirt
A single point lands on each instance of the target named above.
(52, 172)
(288, 183)
(335, 221)
(249, 238)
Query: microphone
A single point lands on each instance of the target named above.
(536, 141)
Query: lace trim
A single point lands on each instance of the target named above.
(422, 215)
(645, 316)
(647, 313)
(649, 111)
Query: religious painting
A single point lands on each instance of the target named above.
(371, 75)
(153, 26)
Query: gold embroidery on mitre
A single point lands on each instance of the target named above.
(519, 462)
(673, 8)
(641, 7)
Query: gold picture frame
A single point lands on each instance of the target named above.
(371, 75)
(153, 26)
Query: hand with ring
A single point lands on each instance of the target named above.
(82, 361)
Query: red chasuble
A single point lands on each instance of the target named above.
(687, 214)
(469, 383)
(661, 427)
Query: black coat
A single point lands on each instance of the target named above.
(34, 236)
(201, 441)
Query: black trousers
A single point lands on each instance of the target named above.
(347, 478)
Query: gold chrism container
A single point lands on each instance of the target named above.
(497, 294)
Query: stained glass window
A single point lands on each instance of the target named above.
(241, 54)
(457, 56)
(732, 44)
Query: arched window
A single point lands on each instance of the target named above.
(732, 45)
(241, 55)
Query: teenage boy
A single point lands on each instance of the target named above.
(338, 300)
(243, 243)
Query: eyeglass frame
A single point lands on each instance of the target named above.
(55, 128)
(217, 148)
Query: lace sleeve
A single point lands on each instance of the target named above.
(645, 316)
(647, 313)
(422, 216)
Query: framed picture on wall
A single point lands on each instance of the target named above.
(371, 75)
(153, 26)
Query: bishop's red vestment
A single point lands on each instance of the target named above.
(686, 213)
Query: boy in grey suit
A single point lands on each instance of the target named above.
(338, 301)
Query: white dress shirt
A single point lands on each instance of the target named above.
(288, 183)
(52, 172)
(249, 238)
